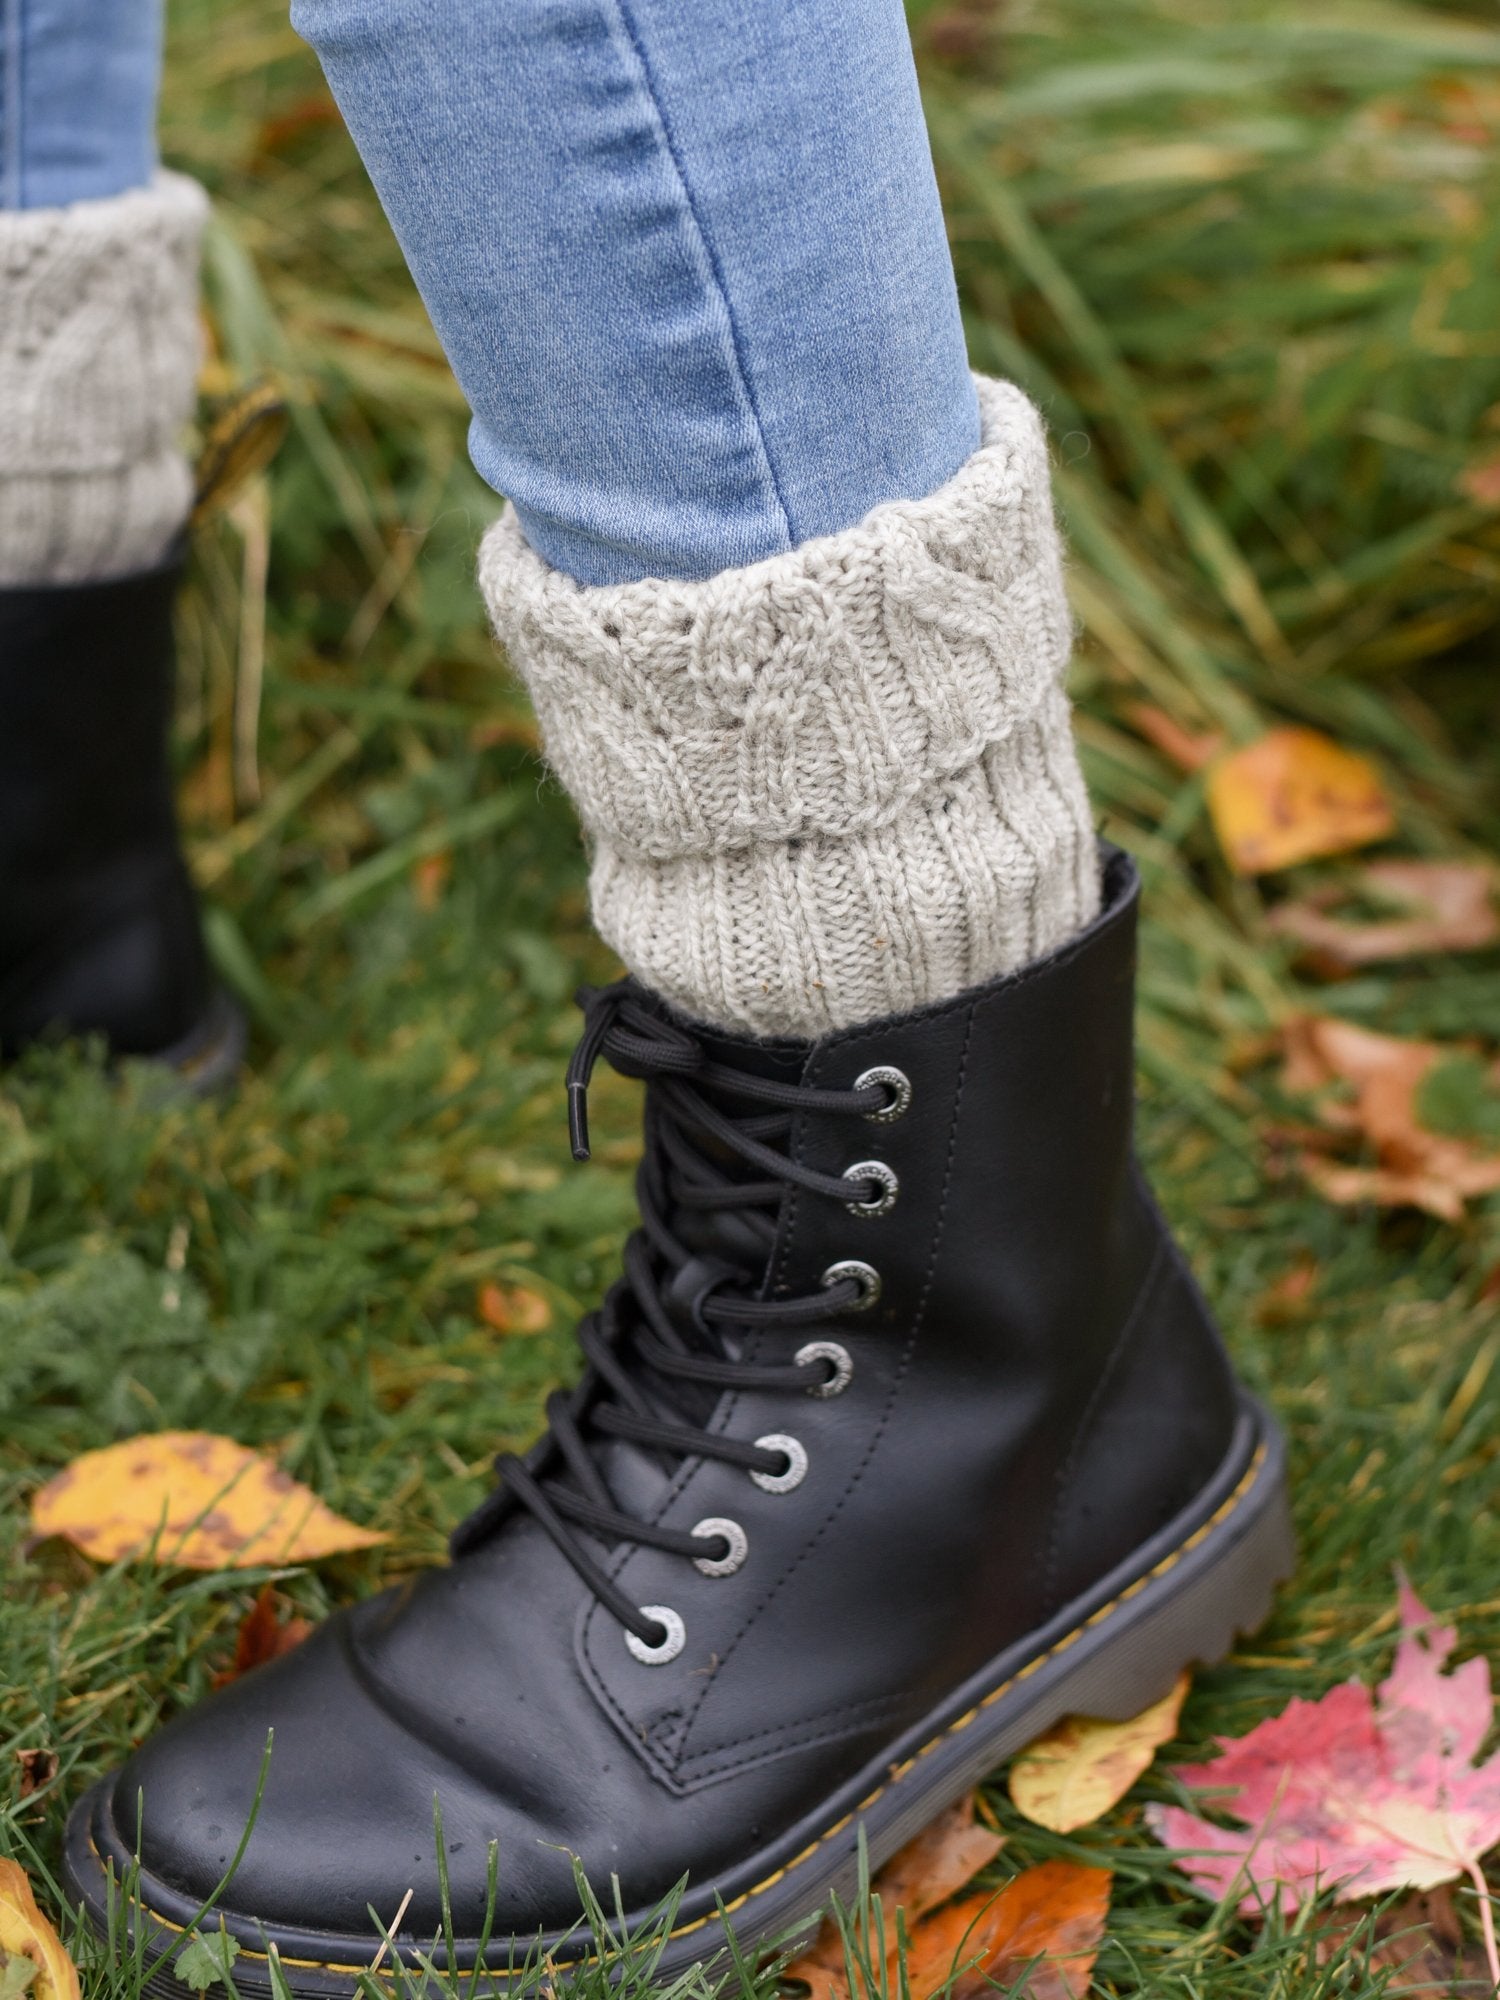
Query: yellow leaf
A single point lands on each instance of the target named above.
(1292, 795)
(1078, 1770)
(26, 1933)
(193, 1500)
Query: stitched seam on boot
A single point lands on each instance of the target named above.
(897, 1384)
(1144, 1293)
(860, 1716)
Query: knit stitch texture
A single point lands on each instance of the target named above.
(836, 784)
(99, 347)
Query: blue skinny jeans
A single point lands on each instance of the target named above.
(686, 257)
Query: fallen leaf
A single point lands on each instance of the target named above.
(37, 1767)
(430, 877)
(1188, 749)
(1415, 1166)
(944, 1858)
(1038, 1937)
(1481, 483)
(1352, 1793)
(313, 113)
(267, 1630)
(1453, 902)
(514, 1309)
(1285, 1301)
(1292, 795)
(1079, 1769)
(26, 1934)
(193, 1500)
(1418, 1940)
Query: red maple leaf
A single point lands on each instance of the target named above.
(1352, 1793)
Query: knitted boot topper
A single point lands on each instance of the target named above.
(99, 348)
(836, 784)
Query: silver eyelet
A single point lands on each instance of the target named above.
(864, 1275)
(716, 1528)
(671, 1645)
(837, 1356)
(897, 1082)
(885, 1179)
(796, 1463)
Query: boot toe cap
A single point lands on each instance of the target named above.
(345, 1821)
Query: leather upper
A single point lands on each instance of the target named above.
(99, 927)
(1038, 1390)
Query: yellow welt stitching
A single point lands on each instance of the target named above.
(1168, 1562)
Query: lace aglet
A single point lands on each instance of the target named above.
(578, 1120)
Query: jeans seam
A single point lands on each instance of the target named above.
(627, 23)
(10, 104)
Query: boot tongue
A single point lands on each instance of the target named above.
(728, 1243)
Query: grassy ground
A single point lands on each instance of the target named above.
(1246, 256)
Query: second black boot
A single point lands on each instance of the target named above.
(99, 927)
(904, 1432)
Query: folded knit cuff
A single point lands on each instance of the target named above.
(99, 350)
(836, 783)
(814, 694)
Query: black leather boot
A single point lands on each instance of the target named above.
(99, 930)
(905, 1432)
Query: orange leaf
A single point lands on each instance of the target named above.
(1452, 905)
(1481, 483)
(1038, 1937)
(1292, 795)
(513, 1309)
(193, 1500)
(942, 1859)
(26, 1933)
(1189, 750)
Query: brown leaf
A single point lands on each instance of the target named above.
(313, 113)
(267, 1630)
(429, 878)
(944, 1858)
(513, 1309)
(1292, 795)
(1418, 1940)
(1481, 483)
(1073, 1775)
(1189, 750)
(1415, 1167)
(1285, 1301)
(1453, 902)
(193, 1500)
(1038, 1936)
(37, 1768)
(26, 1933)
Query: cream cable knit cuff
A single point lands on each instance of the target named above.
(836, 784)
(99, 347)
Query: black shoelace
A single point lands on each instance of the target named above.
(670, 1311)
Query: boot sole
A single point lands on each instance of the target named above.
(207, 1060)
(1182, 1600)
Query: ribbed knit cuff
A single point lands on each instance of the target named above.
(99, 348)
(835, 784)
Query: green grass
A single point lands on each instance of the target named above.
(1248, 258)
